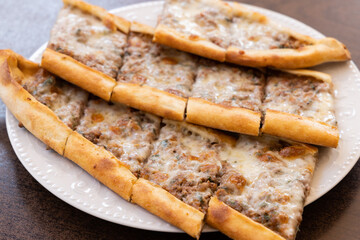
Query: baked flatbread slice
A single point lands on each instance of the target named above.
(299, 105)
(227, 97)
(258, 41)
(230, 32)
(86, 47)
(30, 110)
(263, 189)
(185, 161)
(164, 73)
(54, 109)
(64, 99)
(197, 26)
(127, 133)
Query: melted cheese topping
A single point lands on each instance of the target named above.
(157, 66)
(65, 100)
(199, 19)
(125, 132)
(85, 38)
(184, 163)
(301, 95)
(218, 23)
(268, 180)
(251, 34)
(229, 86)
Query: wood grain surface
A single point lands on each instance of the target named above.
(29, 211)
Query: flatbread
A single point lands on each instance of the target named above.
(262, 189)
(299, 105)
(232, 33)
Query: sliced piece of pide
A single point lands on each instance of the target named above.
(263, 189)
(64, 99)
(227, 97)
(57, 100)
(257, 41)
(101, 164)
(299, 105)
(125, 132)
(39, 119)
(86, 47)
(197, 26)
(210, 27)
(159, 68)
(185, 161)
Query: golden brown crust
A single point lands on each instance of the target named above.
(316, 52)
(324, 50)
(101, 164)
(236, 225)
(298, 128)
(320, 50)
(79, 74)
(36, 117)
(150, 100)
(202, 47)
(111, 21)
(141, 28)
(310, 73)
(235, 119)
(164, 205)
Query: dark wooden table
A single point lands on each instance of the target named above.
(29, 211)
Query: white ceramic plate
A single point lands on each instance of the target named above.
(73, 185)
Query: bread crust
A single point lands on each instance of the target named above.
(141, 28)
(323, 50)
(320, 50)
(150, 100)
(309, 73)
(101, 164)
(36, 117)
(166, 206)
(236, 225)
(170, 37)
(111, 21)
(79, 74)
(299, 128)
(235, 119)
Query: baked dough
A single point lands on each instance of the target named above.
(164, 205)
(196, 45)
(299, 105)
(79, 74)
(110, 20)
(215, 30)
(150, 99)
(262, 188)
(101, 164)
(236, 225)
(185, 161)
(235, 119)
(86, 47)
(299, 128)
(34, 116)
(226, 97)
(310, 51)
